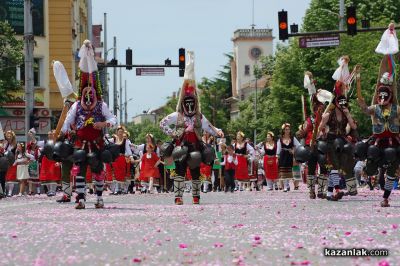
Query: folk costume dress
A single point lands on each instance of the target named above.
(147, 168)
(270, 163)
(285, 161)
(242, 169)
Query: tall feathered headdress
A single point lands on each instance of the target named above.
(189, 88)
(89, 74)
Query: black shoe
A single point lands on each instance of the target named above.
(64, 198)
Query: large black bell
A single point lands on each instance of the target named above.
(322, 147)
(166, 149)
(348, 149)
(338, 144)
(48, 150)
(106, 156)
(79, 156)
(302, 154)
(92, 159)
(360, 150)
(180, 153)
(114, 149)
(63, 150)
(373, 153)
(194, 159)
(390, 154)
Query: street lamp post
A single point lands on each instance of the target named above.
(126, 110)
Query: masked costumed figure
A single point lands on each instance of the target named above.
(308, 131)
(382, 148)
(89, 115)
(333, 129)
(188, 124)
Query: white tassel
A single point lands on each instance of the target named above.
(86, 55)
(342, 73)
(309, 84)
(389, 43)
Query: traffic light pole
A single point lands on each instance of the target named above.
(316, 33)
(109, 65)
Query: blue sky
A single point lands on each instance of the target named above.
(155, 29)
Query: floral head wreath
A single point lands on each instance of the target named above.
(285, 125)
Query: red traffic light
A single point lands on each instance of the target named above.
(351, 20)
(283, 25)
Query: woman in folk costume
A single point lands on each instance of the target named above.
(22, 160)
(33, 149)
(205, 169)
(89, 115)
(129, 176)
(334, 141)
(285, 149)
(10, 146)
(50, 170)
(380, 150)
(189, 123)
(116, 171)
(244, 152)
(229, 162)
(149, 168)
(270, 161)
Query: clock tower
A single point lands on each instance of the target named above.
(248, 46)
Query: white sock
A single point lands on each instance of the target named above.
(10, 189)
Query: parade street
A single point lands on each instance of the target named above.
(243, 228)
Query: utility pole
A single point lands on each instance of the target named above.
(125, 106)
(89, 14)
(341, 14)
(255, 105)
(115, 91)
(121, 120)
(29, 82)
(105, 85)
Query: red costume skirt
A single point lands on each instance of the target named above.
(149, 171)
(242, 171)
(119, 169)
(11, 175)
(205, 172)
(271, 167)
(50, 171)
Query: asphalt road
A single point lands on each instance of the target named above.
(243, 228)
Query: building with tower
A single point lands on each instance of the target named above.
(248, 46)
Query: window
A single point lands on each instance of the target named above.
(36, 73)
(247, 70)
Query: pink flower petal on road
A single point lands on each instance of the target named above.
(347, 233)
(183, 245)
(383, 263)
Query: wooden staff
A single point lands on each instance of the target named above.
(67, 105)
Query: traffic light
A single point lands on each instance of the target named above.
(182, 62)
(283, 25)
(351, 20)
(128, 58)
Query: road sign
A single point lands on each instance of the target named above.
(147, 71)
(319, 41)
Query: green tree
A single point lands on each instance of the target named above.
(11, 56)
(213, 93)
